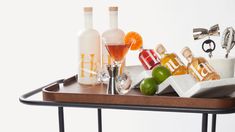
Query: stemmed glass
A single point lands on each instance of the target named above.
(117, 51)
(122, 81)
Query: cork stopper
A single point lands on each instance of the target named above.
(187, 53)
(113, 8)
(160, 49)
(87, 9)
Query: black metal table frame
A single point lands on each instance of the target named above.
(24, 99)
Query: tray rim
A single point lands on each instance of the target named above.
(25, 99)
(47, 93)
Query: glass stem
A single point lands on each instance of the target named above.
(119, 66)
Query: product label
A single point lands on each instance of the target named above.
(149, 60)
(173, 64)
(202, 70)
(106, 59)
(88, 66)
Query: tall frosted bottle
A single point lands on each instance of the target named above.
(113, 35)
(89, 51)
(198, 67)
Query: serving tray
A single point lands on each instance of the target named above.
(71, 91)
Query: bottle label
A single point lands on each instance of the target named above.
(174, 64)
(88, 66)
(202, 70)
(148, 59)
(107, 60)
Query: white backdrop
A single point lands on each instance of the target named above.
(39, 45)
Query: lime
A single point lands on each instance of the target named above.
(160, 74)
(148, 86)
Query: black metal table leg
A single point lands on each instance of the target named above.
(99, 120)
(213, 129)
(204, 122)
(61, 119)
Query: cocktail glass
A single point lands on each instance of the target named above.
(117, 52)
(118, 82)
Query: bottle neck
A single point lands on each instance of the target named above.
(190, 58)
(141, 49)
(88, 21)
(113, 19)
(162, 55)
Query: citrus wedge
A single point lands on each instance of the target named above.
(134, 39)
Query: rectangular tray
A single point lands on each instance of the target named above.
(71, 92)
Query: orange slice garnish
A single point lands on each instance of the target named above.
(134, 39)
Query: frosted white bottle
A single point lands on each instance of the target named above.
(112, 35)
(89, 57)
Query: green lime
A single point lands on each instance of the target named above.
(148, 86)
(160, 74)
